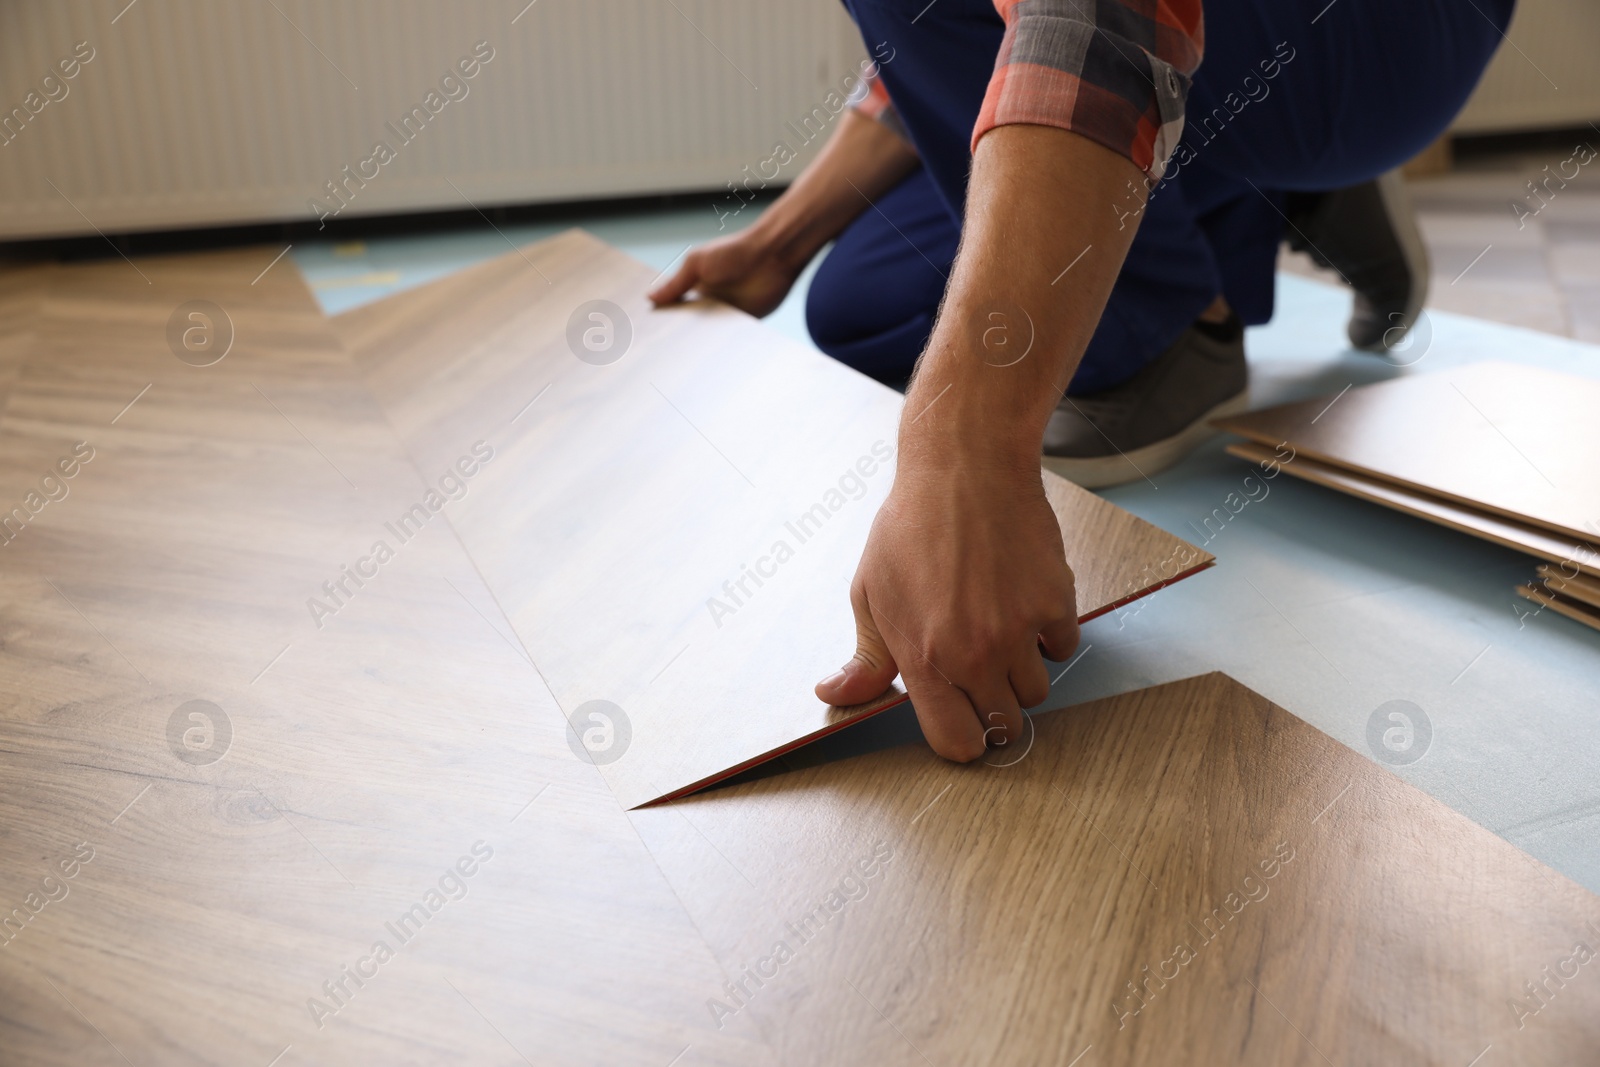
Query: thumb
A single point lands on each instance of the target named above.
(870, 671)
(680, 283)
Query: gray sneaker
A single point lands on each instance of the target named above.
(1157, 417)
(1368, 233)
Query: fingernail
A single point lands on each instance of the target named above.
(833, 679)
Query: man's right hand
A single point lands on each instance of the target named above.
(743, 269)
(755, 268)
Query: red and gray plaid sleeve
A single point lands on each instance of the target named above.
(1115, 71)
(875, 104)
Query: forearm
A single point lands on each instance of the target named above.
(861, 161)
(1040, 199)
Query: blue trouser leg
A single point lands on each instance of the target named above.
(872, 302)
(1292, 95)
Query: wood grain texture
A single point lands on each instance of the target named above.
(1536, 541)
(369, 756)
(673, 532)
(1512, 440)
(1007, 909)
(1186, 874)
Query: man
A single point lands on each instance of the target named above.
(1117, 241)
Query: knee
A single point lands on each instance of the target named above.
(832, 315)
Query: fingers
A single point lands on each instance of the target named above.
(681, 282)
(1060, 636)
(946, 715)
(870, 671)
(1060, 639)
(999, 713)
(965, 714)
(1030, 680)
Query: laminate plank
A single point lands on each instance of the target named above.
(19, 299)
(673, 532)
(1513, 440)
(1577, 610)
(1558, 548)
(394, 772)
(1578, 586)
(1185, 874)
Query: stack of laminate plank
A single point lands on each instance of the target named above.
(1501, 451)
(349, 675)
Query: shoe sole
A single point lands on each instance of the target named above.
(1397, 204)
(1102, 472)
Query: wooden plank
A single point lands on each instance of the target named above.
(1512, 440)
(1576, 610)
(1185, 874)
(400, 755)
(1582, 555)
(19, 299)
(1578, 586)
(672, 525)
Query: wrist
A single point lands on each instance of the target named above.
(966, 440)
(788, 233)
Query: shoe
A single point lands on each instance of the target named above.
(1368, 233)
(1148, 423)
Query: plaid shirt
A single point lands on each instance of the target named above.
(1115, 71)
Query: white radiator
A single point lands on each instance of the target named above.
(1545, 76)
(184, 113)
(205, 112)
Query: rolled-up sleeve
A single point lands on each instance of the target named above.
(873, 102)
(1114, 71)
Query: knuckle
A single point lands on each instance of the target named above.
(981, 646)
(869, 656)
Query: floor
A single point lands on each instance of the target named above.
(1501, 251)
(1331, 607)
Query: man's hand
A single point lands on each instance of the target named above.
(743, 269)
(755, 268)
(964, 576)
(962, 580)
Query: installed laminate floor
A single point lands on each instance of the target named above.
(1185, 874)
(233, 830)
(372, 755)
